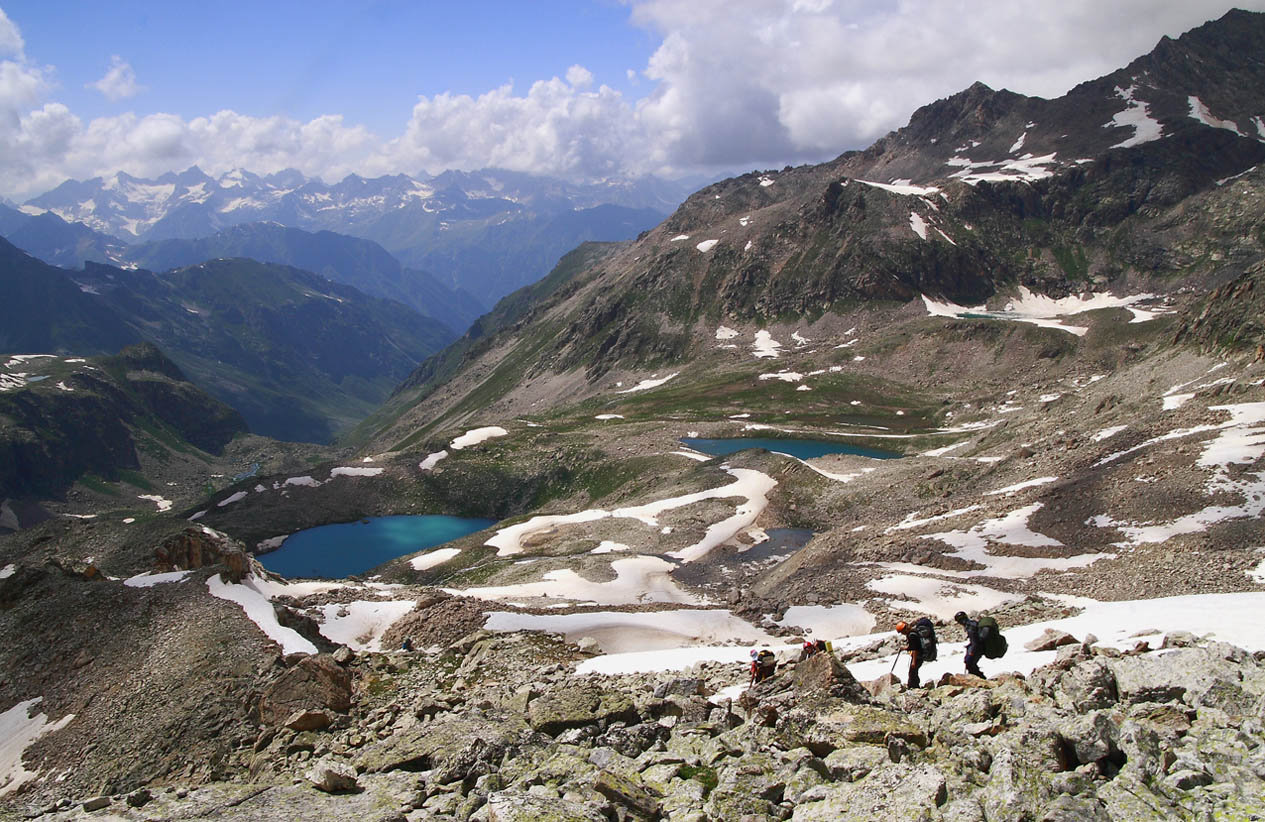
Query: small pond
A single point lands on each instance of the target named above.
(803, 449)
(335, 551)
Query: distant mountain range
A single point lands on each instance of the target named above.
(301, 357)
(487, 233)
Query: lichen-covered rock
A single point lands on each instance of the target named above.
(518, 806)
(838, 724)
(1092, 736)
(905, 792)
(628, 791)
(576, 706)
(1087, 685)
(822, 673)
(1020, 777)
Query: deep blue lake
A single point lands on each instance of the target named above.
(334, 551)
(804, 449)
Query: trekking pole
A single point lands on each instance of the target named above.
(897, 659)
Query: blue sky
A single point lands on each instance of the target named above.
(368, 61)
(584, 89)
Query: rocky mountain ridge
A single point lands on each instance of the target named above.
(464, 227)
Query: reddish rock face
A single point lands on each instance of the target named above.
(195, 548)
(316, 682)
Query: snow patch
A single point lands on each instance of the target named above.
(249, 594)
(654, 382)
(148, 580)
(238, 497)
(765, 347)
(360, 625)
(163, 504)
(1137, 114)
(707, 245)
(477, 435)
(20, 727)
(918, 224)
(355, 472)
(619, 632)
(1200, 112)
(432, 558)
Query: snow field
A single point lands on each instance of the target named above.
(20, 727)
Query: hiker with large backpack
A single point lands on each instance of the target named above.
(763, 665)
(983, 638)
(920, 642)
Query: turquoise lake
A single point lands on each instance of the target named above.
(347, 548)
(803, 449)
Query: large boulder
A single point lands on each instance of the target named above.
(332, 775)
(822, 673)
(516, 806)
(576, 706)
(892, 791)
(835, 724)
(1185, 674)
(1087, 685)
(313, 683)
(456, 747)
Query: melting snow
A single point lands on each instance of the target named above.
(20, 727)
(1200, 112)
(165, 504)
(637, 579)
(903, 187)
(653, 382)
(304, 481)
(360, 625)
(1033, 483)
(238, 497)
(706, 245)
(250, 595)
(618, 632)
(784, 376)
(609, 417)
(1044, 311)
(148, 580)
(765, 346)
(678, 238)
(355, 472)
(918, 224)
(1106, 433)
(1138, 115)
(476, 436)
(432, 558)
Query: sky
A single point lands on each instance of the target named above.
(582, 89)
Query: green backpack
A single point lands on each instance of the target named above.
(994, 643)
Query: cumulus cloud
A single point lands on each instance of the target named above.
(733, 84)
(11, 44)
(119, 81)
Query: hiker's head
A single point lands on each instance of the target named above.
(960, 616)
(902, 628)
(754, 653)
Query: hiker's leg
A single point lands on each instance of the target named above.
(913, 672)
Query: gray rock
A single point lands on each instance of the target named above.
(1092, 736)
(139, 797)
(332, 775)
(1179, 639)
(891, 791)
(629, 791)
(1086, 686)
(1076, 809)
(1185, 779)
(576, 706)
(517, 806)
(314, 682)
(96, 803)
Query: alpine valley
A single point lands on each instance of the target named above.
(1046, 316)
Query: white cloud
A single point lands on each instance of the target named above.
(119, 81)
(11, 44)
(734, 83)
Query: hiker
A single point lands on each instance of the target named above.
(810, 647)
(974, 643)
(920, 642)
(983, 638)
(763, 665)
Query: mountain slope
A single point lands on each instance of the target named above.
(299, 356)
(350, 260)
(62, 418)
(45, 311)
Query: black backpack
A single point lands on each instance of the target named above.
(927, 637)
(995, 644)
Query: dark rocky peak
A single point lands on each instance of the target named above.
(967, 114)
(145, 356)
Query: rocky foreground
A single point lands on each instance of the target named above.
(498, 727)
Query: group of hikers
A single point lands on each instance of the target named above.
(983, 639)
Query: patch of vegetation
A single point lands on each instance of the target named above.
(98, 485)
(136, 478)
(704, 774)
(1073, 261)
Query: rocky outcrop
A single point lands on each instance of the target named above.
(200, 547)
(314, 682)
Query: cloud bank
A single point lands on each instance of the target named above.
(733, 84)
